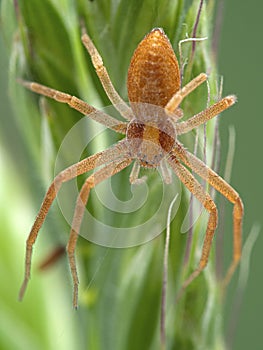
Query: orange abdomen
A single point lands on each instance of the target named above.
(153, 75)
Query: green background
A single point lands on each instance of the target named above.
(241, 58)
(240, 62)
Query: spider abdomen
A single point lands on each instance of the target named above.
(153, 75)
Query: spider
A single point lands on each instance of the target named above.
(151, 129)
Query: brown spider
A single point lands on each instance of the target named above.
(151, 130)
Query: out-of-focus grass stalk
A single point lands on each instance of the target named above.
(120, 308)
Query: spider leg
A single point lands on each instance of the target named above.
(205, 115)
(97, 177)
(177, 98)
(228, 192)
(103, 75)
(134, 175)
(77, 104)
(167, 177)
(69, 173)
(194, 187)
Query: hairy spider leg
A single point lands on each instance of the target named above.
(103, 75)
(78, 105)
(194, 187)
(227, 191)
(178, 97)
(205, 115)
(93, 180)
(69, 173)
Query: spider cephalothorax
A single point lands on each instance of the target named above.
(151, 137)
